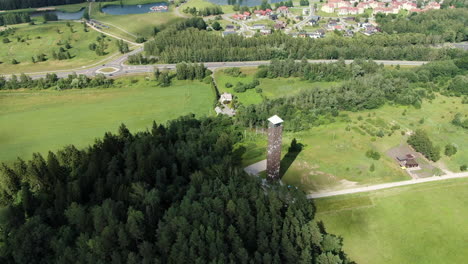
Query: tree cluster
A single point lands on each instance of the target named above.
(52, 81)
(420, 141)
(173, 194)
(207, 11)
(14, 18)
(287, 3)
(459, 121)
(122, 46)
(448, 25)
(189, 71)
(304, 2)
(317, 71)
(49, 16)
(192, 45)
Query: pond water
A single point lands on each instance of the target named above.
(243, 2)
(134, 9)
(61, 15)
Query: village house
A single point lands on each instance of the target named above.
(225, 98)
(283, 10)
(408, 161)
(280, 25)
(230, 28)
(265, 31)
(258, 26)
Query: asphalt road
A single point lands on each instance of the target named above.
(124, 69)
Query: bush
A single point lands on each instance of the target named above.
(14, 61)
(239, 89)
(6, 40)
(228, 85)
(463, 167)
(259, 90)
(140, 40)
(233, 71)
(421, 143)
(372, 154)
(450, 150)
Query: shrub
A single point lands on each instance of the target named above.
(372, 154)
(228, 85)
(450, 150)
(259, 90)
(463, 167)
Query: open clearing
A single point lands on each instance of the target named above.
(29, 41)
(333, 157)
(38, 121)
(423, 223)
(272, 88)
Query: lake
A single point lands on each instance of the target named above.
(243, 2)
(134, 9)
(61, 15)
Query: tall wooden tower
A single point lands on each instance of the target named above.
(275, 134)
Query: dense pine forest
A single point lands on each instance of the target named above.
(193, 45)
(173, 194)
(18, 4)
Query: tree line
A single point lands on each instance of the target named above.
(207, 11)
(19, 4)
(171, 194)
(329, 72)
(14, 18)
(52, 81)
(195, 45)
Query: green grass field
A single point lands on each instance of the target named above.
(131, 26)
(272, 88)
(38, 121)
(423, 223)
(44, 38)
(200, 4)
(334, 156)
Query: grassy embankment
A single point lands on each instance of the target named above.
(334, 154)
(46, 38)
(133, 25)
(423, 223)
(38, 121)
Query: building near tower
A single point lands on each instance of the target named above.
(275, 133)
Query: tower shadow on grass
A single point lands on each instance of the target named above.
(290, 157)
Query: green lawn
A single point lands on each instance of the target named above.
(45, 38)
(38, 121)
(334, 156)
(423, 223)
(200, 4)
(271, 88)
(130, 26)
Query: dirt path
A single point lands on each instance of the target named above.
(449, 175)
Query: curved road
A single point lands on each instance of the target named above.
(389, 185)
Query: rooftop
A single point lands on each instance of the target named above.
(275, 120)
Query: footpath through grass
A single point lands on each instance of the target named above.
(38, 121)
(32, 40)
(423, 223)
